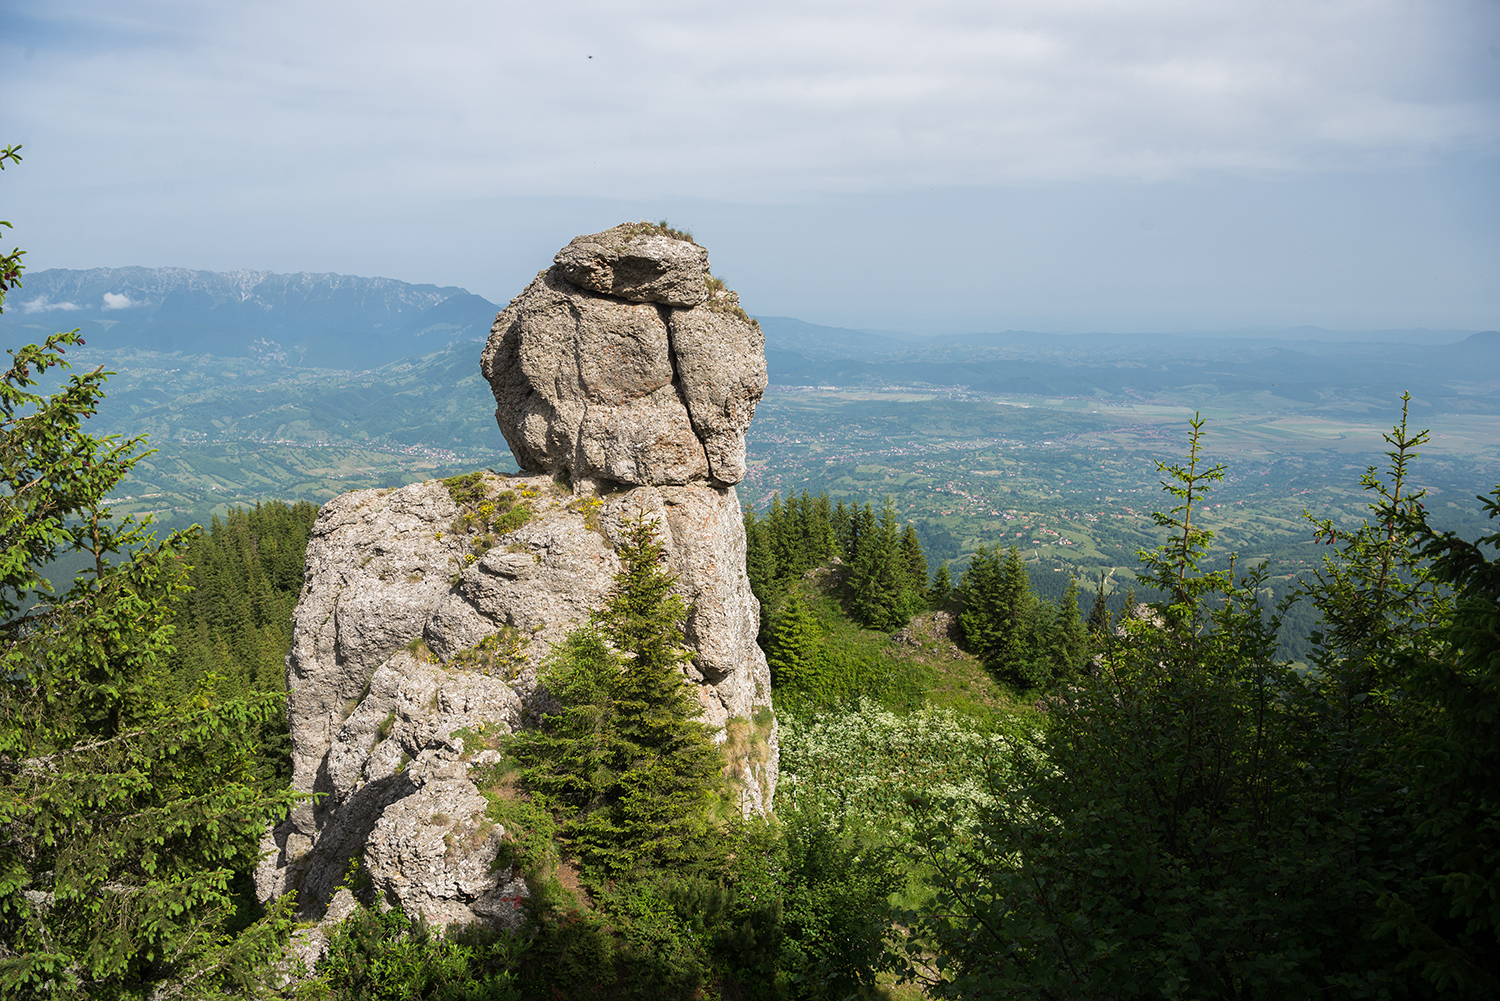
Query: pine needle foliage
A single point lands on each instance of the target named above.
(793, 651)
(627, 758)
(887, 576)
(1021, 638)
(123, 815)
(1452, 931)
(1208, 821)
(233, 626)
(1173, 568)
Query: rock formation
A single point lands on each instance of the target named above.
(626, 361)
(625, 377)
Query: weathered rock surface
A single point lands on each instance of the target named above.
(417, 628)
(627, 362)
(625, 377)
(638, 263)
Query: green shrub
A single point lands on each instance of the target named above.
(467, 490)
(389, 957)
(836, 910)
(510, 520)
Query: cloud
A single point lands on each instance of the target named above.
(932, 164)
(113, 300)
(767, 100)
(41, 304)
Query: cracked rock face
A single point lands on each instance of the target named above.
(388, 692)
(627, 362)
(426, 612)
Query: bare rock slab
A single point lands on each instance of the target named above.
(637, 262)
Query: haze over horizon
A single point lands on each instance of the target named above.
(953, 167)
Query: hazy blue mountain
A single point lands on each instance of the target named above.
(815, 341)
(319, 320)
(328, 321)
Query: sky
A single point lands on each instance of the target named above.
(935, 166)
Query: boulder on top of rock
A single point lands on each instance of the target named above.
(628, 362)
(639, 262)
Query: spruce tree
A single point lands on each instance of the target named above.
(982, 621)
(628, 756)
(1003, 621)
(760, 558)
(793, 650)
(803, 533)
(840, 522)
(915, 563)
(570, 761)
(824, 541)
(1069, 640)
(785, 537)
(879, 577)
(122, 818)
(861, 526)
(942, 586)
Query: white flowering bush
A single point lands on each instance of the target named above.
(877, 769)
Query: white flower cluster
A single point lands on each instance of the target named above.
(882, 770)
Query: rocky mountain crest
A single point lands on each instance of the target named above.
(625, 378)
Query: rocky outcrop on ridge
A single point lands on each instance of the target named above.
(627, 361)
(426, 611)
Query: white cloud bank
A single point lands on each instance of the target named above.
(783, 98)
(940, 164)
(115, 300)
(43, 304)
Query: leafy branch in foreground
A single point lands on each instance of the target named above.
(10, 264)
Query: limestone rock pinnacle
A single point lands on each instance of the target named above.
(628, 362)
(428, 613)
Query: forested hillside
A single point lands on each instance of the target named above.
(233, 628)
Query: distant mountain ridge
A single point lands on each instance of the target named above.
(1453, 374)
(352, 323)
(317, 320)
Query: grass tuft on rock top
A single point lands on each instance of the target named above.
(661, 228)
